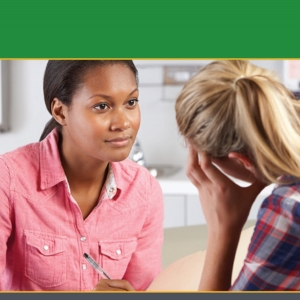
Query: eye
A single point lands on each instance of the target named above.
(132, 102)
(101, 106)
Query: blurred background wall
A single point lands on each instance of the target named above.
(158, 132)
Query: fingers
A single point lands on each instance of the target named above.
(113, 285)
(122, 284)
(212, 173)
(193, 169)
(107, 289)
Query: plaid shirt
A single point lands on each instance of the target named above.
(273, 259)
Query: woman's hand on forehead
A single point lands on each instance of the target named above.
(225, 204)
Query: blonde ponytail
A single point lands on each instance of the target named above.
(234, 106)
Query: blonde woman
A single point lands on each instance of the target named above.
(240, 118)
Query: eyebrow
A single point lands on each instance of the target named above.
(109, 97)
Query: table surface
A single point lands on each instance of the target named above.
(182, 241)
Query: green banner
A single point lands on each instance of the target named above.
(150, 29)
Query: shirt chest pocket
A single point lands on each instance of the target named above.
(45, 258)
(116, 255)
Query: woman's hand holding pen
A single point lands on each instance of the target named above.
(113, 285)
(225, 206)
(108, 284)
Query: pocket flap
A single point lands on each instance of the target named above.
(47, 244)
(118, 249)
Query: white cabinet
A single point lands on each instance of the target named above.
(182, 210)
(185, 209)
(174, 211)
(194, 212)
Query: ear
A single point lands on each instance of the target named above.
(59, 110)
(241, 159)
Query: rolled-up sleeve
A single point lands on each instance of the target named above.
(5, 215)
(145, 263)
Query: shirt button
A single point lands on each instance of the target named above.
(46, 247)
(119, 252)
(111, 190)
(84, 266)
(83, 238)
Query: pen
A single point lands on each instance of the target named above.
(95, 266)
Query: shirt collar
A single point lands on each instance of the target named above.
(122, 176)
(52, 172)
(111, 187)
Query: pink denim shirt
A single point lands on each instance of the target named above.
(43, 235)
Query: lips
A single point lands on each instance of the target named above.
(119, 139)
(119, 142)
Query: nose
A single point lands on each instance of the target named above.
(120, 121)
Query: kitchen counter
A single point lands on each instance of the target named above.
(179, 184)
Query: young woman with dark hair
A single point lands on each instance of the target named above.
(75, 192)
